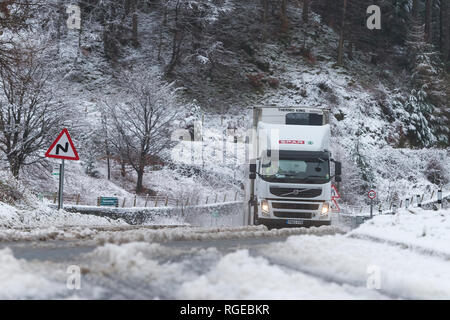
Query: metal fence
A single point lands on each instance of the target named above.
(145, 201)
(428, 199)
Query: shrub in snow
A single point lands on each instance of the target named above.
(10, 189)
(436, 173)
(13, 192)
(90, 168)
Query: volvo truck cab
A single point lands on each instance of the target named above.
(290, 175)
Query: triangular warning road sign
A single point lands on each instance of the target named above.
(334, 193)
(63, 148)
(334, 196)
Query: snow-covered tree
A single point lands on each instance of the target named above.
(418, 127)
(141, 124)
(14, 18)
(424, 61)
(189, 20)
(427, 102)
(28, 114)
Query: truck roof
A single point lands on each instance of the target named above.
(278, 115)
(276, 107)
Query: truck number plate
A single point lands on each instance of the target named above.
(294, 221)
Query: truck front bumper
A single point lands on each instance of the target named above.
(292, 223)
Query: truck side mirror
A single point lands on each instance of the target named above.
(337, 168)
(337, 178)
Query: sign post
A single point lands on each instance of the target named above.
(372, 194)
(61, 185)
(440, 198)
(64, 149)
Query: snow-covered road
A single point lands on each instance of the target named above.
(182, 262)
(188, 269)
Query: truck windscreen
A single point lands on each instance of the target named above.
(314, 170)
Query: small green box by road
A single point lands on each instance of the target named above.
(108, 201)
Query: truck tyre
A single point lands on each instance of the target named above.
(322, 223)
(255, 220)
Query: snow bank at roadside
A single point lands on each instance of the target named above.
(240, 276)
(204, 234)
(399, 272)
(43, 216)
(424, 230)
(17, 282)
(126, 234)
(20, 208)
(209, 274)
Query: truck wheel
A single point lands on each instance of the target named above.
(255, 220)
(325, 223)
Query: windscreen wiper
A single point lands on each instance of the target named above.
(309, 178)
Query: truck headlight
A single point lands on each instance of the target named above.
(265, 207)
(325, 208)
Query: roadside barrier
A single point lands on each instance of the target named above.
(142, 201)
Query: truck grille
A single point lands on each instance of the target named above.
(292, 193)
(294, 215)
(298, 206)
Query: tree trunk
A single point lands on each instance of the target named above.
(15, 164)
(127, 7)
(59, 25)
(341, 38)
(140, 179)
(134, 40)
(164, 23)
(350, 51)
(141, 169)
(429, 21)
(176, 44)
(108, 161)
(305, 12)
(284, 19)
(123, 171)
(445, 30)
(415, 9)
(265, 11)
(265, 14)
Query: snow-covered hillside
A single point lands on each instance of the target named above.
(294, 67)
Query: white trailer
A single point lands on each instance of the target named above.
(290, 168)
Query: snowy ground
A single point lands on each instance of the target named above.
(41, 216)
(386, 258)
(421, 230)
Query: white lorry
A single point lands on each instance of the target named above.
(290, 171)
